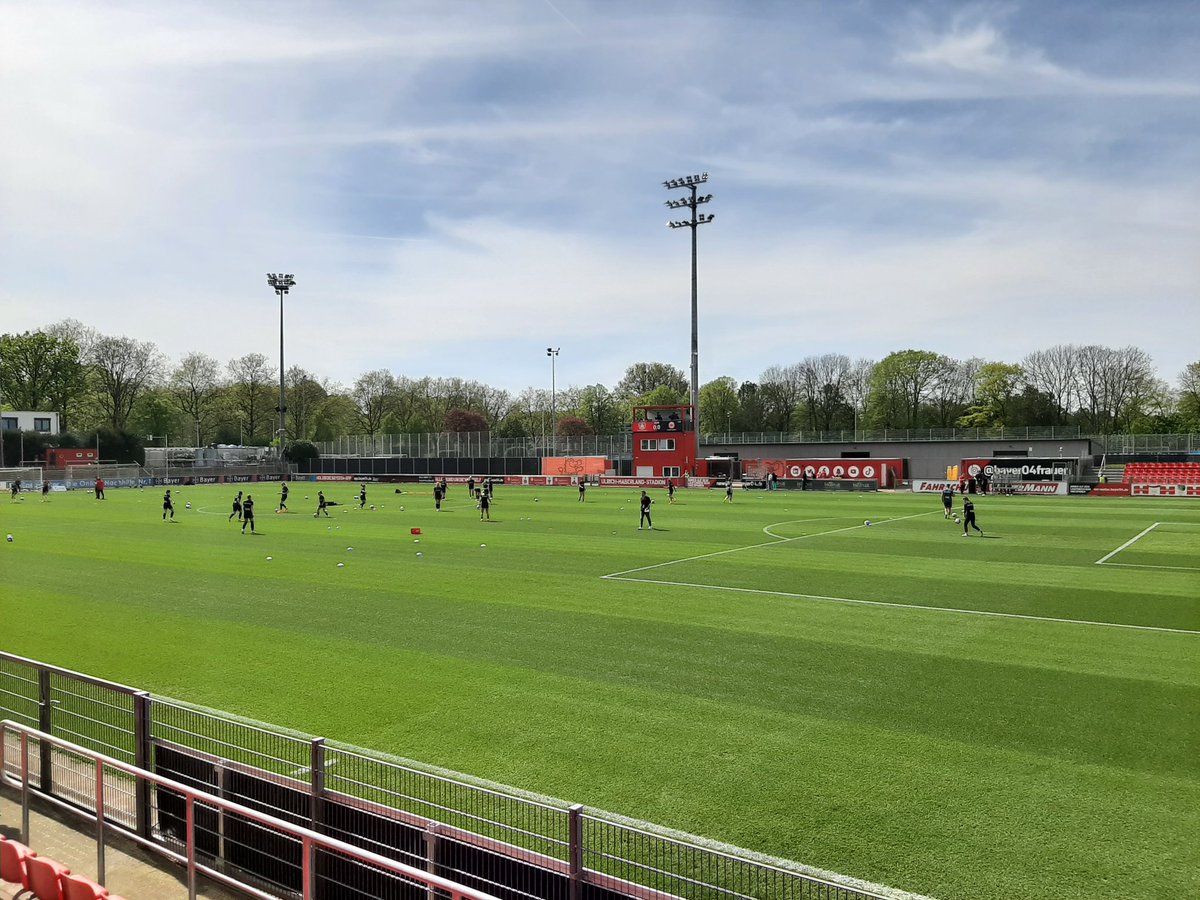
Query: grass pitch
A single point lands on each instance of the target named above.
(1016, 715)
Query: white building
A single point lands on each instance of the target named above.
(17, 420)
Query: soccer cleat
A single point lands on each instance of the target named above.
(964, 534)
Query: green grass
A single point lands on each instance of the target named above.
(904, 741)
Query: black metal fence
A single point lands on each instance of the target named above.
(513, 846)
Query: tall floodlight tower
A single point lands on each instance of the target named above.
(690, 202)
(281, 284)
(552, 352)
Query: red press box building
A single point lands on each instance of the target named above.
(664, 442)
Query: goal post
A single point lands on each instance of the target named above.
(29, 476)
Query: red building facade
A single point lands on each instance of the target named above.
(664, 442)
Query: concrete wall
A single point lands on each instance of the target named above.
(926, 459)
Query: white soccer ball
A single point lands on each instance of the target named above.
(867, 523)
(372, 506)
(269, 558)
(402, 509)
(483, 545)
(416, 540)
(9, 538)
(187, 506)
(420, 554)
(957, 520)
(349, 549)
(341, 565)
(535, 499)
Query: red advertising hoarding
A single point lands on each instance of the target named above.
(886, 471)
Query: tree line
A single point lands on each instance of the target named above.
(126, 386)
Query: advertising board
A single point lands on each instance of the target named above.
(885, 471)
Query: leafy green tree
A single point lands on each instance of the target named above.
(40, 372)
(663, 395)
(121, 369)
(642, 378)
(601, 409)
(195, 389)
(1189, 396)
(997, 391)
(901, 383)
(253, 396)
(719, 405)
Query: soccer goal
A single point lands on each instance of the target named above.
(29, 476)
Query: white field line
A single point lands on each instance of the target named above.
(884, 603)
(1147, 566)
(801, 537)
(1129, 543)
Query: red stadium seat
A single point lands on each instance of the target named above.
(14, 857)
(80, 887)
(45, 877)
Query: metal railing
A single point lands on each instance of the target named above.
(98, 775)
(508, 842)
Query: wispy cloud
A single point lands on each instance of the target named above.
(455, 187)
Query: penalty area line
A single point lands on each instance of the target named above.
(916, 606)
(1129, 543)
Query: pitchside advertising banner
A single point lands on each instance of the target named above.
(1019, 469)
(884, 471)
(1165, 490)
(923, 486)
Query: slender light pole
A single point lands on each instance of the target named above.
(552, 352)
(690, 201)
(281, 284)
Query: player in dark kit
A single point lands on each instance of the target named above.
(728, 491)
(248, 514)
(45, 489)
(237, 508)
(322, 506)
(947, 501)
(670, 491)
(969, 517)
(645, 507)
(168, 506)
(437, 496)
(16, 488)
(471, 486)
(283, 492)
(582, 489)
(485, 506)
(362, 496)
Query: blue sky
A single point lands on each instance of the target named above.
(457, 186)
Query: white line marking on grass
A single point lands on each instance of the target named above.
(800, 537)
(1128, 543)
(1147, 566)
(945, 609)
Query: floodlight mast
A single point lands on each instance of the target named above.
(690, 202)
(552, 352)
(281, 284)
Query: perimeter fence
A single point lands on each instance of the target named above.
(511, 844)
(613, 446)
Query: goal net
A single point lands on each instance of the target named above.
(29, 476)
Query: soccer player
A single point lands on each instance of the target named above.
(947, 501)
(488, 487)
(582, 488)
(485, 506)
(670, 490)
(16, 488)
(283, 492)
(969, 516)
(248, 514)
(471, 486)
(168, 506)
(445, 487)
(99, 488)
(437, 496)
(728, 490)
(321, 506)
(362, 496)
(45, 489)
(237, 508)
(645, 502)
